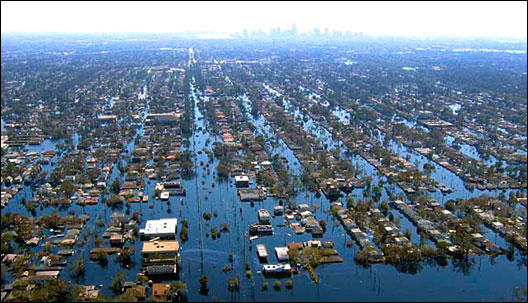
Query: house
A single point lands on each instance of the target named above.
(107, 118)
(242, 181)
(139, 291)
(282, 254)
(255, 229)
(306, 214)
(313, 243)
(297, 228)
(310, 223)
(166, 270)
(264, 216)
(303, 207)
(65, 252)
(39, 279)
(253, 194)
(265, 164)
(162, 228)
(317, 231)
(116, 240)
(160, 291)
(160, 252)
(88, 293)
(276, 269)
(10, 258)
(33, 241)
(389, 230)
(295, 245)
(97, 250)
(163, 118)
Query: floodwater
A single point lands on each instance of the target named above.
(478, 278)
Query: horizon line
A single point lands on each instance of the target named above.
(234, 34)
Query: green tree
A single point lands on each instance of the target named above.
(115, 186)
(176, 290)
(77, 267)
(203, 281)
(117, 284)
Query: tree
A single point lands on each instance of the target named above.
(234, 284)
(323, 224)
(77, 267)
(128, 296)
(463, 239)
(126, 253)
(450, 205)
(289, 284)
(203, 281)
(54, 291)
(98, 241)
(350, 202)
(115, 186)
(114, 200)
(117, 284)
(67, 188)
(176, 290)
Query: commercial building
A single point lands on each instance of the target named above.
(160, 252)
(162, 228)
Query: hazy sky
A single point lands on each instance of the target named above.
(505, 19)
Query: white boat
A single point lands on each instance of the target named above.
(164, 195)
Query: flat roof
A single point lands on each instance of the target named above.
(53, 273)
(282, 253)
(241, 178)
(161, 226)
(160, 247)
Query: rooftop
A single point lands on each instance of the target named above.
(161, 226)
(160, 247)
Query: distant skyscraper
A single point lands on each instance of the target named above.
(276, 32)
(245, 34)
(294, 30)
(327, 31)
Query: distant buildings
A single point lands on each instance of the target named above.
(276, 33)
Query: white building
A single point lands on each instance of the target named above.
(282, 253)
(264, 216)
(163, 228)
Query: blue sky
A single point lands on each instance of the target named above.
(504, 19)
